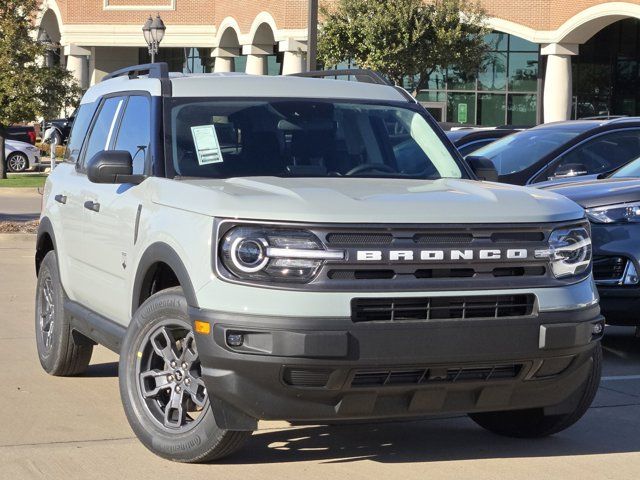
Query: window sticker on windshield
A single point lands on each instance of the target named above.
(207, 145)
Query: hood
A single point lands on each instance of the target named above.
(597, 193)
(16, 145)
(365, 200)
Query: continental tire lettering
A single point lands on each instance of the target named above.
(179, 446)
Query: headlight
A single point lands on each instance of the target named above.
(622, 213)
(569, 251)
(271, 254)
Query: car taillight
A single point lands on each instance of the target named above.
(32, 137)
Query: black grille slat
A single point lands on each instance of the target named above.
(427, 375)
(443, 238)
(463, 308)
(306, 377)
(359, 239)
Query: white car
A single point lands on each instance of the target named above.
(255, 249)
(21, 155)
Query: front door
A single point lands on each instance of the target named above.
(111, 211)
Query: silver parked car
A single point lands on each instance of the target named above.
(21, 156)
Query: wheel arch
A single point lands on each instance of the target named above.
(45, 241)
(160, 259)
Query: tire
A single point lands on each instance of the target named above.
(17, 162)
(61, 352)
(164, 397)
(533, 423)
(56, 138)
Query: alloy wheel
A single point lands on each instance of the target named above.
(47, 313)
(17, 163)
(169, 377)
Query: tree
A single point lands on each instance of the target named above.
(28, 88)
(405, 38)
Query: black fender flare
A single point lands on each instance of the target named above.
(161, 252)
(45, 227)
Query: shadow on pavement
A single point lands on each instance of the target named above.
(431, 441)
(102, 370)
(18, 217)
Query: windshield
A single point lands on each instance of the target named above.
(521, 150)
(631, 169)
(305, 138)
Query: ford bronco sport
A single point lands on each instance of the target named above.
(305, 250)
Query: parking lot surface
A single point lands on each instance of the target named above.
(67, 428)
(19, 204)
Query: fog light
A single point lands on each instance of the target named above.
(235, 339)
(597, 329)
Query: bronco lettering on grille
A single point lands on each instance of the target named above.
(441, 255)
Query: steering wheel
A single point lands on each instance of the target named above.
(380, 167)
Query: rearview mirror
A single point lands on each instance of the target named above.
(112, 166)
(483, 168)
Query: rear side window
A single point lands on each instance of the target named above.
(601, 154)
(81, 122)
(102, 131)
(134, 133)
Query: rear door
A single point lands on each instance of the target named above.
(109, 234)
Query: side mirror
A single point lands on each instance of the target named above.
(570, 170)
(112, 166)
(483, 168)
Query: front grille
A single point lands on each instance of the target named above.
(609, 268)
(430, 375)
(439, 308)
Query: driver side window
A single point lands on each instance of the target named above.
(599, 155)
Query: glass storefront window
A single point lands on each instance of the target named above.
(504, 91)
(494, 75)
(491, 109)
(523, 72)
(461, 108)
(517, 44)
(521, 109)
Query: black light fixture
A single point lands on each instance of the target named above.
(153, 31)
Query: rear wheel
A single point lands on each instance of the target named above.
(164, 396)
(533, 422)
(17, 162)
(61, 351)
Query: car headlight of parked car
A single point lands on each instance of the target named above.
(569, 251)
(281, 255)
(621, 213)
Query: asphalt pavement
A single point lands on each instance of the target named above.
(19, 204)
(75, 428)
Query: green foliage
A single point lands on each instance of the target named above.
(404, 38)
(28, 88)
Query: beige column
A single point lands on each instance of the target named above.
(257, 62)
(224, 59)
(78, 64)
(294, 58)
(558, 81)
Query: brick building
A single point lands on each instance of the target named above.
(550, 60)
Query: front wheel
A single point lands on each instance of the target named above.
(163, 394)
(533, 423)
(17, 162)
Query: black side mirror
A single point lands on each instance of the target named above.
(483, 168)
(112, 166)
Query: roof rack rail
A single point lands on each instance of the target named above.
(153, 70)
(361, 75)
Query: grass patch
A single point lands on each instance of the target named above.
(23, 181)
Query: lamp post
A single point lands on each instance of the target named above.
(153, 31)
(312, 35)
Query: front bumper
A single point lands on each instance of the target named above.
(332, 369)
(619, 303)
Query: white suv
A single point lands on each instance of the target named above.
(306, 250)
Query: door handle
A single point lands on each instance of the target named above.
(89, 205)
(61, 199)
